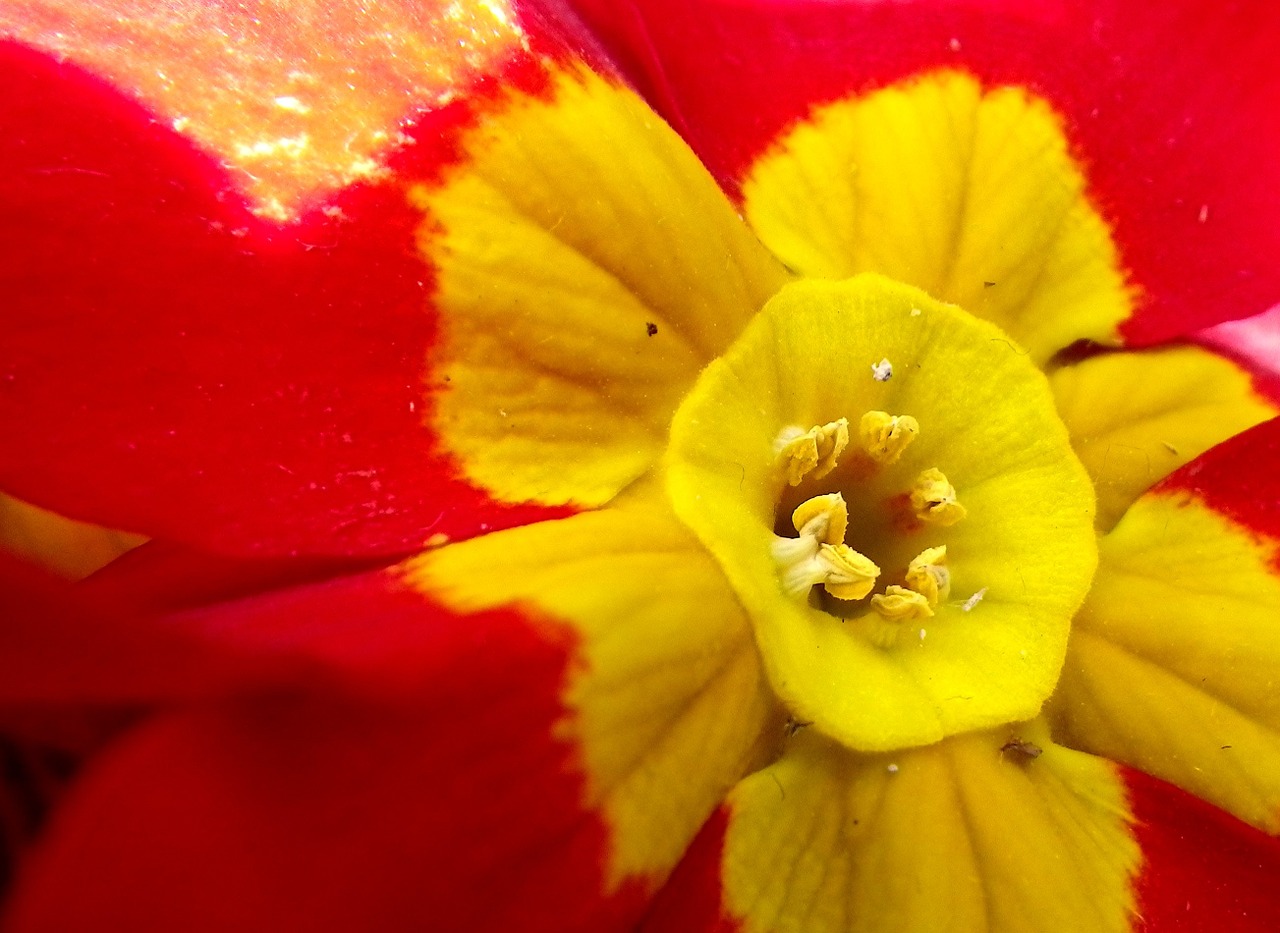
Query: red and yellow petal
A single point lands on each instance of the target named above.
(525, 714)
(970, 193)
(1176, 865)
(1179, 151)
(968, 835)
(587, 268)
(1171, 664)
(1134, 418)
(385, 370)
(669, 702)
(1203, 871)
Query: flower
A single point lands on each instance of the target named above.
(758, 578)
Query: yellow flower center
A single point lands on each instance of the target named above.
(841, 547)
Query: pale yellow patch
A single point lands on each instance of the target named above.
(668, 702)
(885, 437)
(823, 517)
(1134, 418)
(819, 555)
(814, 453)
(966, 192)
(1173, 659)
(63, 546)
(959, 837)
(1028, 541)
(899, 604)
(587, 268)
(933, 499)
(929, 575)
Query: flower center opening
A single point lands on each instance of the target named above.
(886, 484)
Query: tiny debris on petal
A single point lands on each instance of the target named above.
(974, 599)
(882, 371)
(892, 769)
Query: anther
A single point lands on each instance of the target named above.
(934, 499)
(899, 604)
(819, 554)
(814, 451)
(885, 436)
(929, 575)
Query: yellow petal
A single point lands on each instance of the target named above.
(587, 268)
(959, 836)
(1173, 659)
(970, 194)
(1134, 418)
(1028, 541)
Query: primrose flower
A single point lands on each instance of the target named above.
(716, 465)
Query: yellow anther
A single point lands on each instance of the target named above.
(815, 451)
(929, 576)
(819, 554)
(822, 517)
(885, 437)
(934, 499)
(899, 604)
(850, 575)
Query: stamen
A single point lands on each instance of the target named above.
(823, 517)
(934, 499)
(885, 436)
(813, 451)
(929, 575)
(899, 604)
(850, 575)
(819, 556)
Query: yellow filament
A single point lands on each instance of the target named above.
(885, 436)
(934, 499)
(929, 575)
(815, 451)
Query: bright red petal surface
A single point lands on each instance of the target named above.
(1204, 870)
(1239, 478)
(170, 363)
(421, 788)
(1170, 107)
(691, 901)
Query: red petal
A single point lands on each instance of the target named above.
(446, 802)
(171, 363)
(692, 901)
(60, 647)
(31, 777)
(1240, 479)
(1204, 870)
(1169, 107)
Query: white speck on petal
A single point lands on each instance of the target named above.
(882, 371)
(915, 312)
(893, 769)
(974, 599)
(1204, 213)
